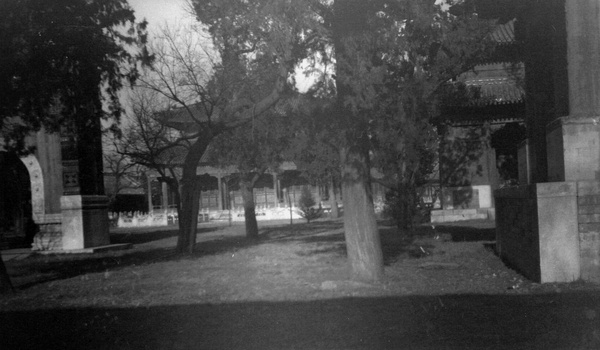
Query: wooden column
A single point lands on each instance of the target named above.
(149, 194)
(165, 196)
(276, 190)
(221, 196)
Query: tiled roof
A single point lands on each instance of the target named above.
(186, 119)
(505, 33)
(499, 83)
(494, 91)
(179, 118)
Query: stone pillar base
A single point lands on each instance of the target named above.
(49, 236)
(84, 221)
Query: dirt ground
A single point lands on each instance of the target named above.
(444, 289)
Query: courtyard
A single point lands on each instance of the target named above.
(444, 289)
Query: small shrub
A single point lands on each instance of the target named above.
(403, 207)
(306, 205)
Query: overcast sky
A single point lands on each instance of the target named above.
(159, 12)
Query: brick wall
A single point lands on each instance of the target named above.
(588, 217)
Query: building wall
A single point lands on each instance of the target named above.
(467, 167)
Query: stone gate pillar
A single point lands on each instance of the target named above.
(84, 206)
(550, 230)
(573, 141)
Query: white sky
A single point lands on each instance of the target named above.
(173, 12)
(159, 12)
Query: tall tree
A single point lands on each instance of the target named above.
(62, 60)
(61, 63)
(256, 44)
(350, 32)
(432, 48)
(393, 59)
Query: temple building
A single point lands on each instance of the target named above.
(548, 227)
(480, 135)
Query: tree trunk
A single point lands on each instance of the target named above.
(335, 212)
(362, 236)
(247, 189)
(5, 284)
(188, 216)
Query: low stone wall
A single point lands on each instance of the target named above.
(465, 203)
(453, 215)
(466, 197)
(265, 214)
(137, 219)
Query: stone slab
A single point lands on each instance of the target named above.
(558, 232)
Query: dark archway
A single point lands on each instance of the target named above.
(506, 142)
(17, 227)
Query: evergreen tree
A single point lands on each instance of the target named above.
(61, 63)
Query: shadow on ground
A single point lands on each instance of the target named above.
(326, 236)
(566, 321)
(139, 236)
(46, 268)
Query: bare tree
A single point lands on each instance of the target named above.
(215, 88)
(145, 142)
(125, 173)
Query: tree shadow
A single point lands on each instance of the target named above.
(545, 321)
(139, 237)
(303, 231)
(46, 268)
(326, 238)
(399, 244)
(319, 233)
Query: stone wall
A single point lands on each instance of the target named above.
(551, 231)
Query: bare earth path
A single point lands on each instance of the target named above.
(444, 289)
